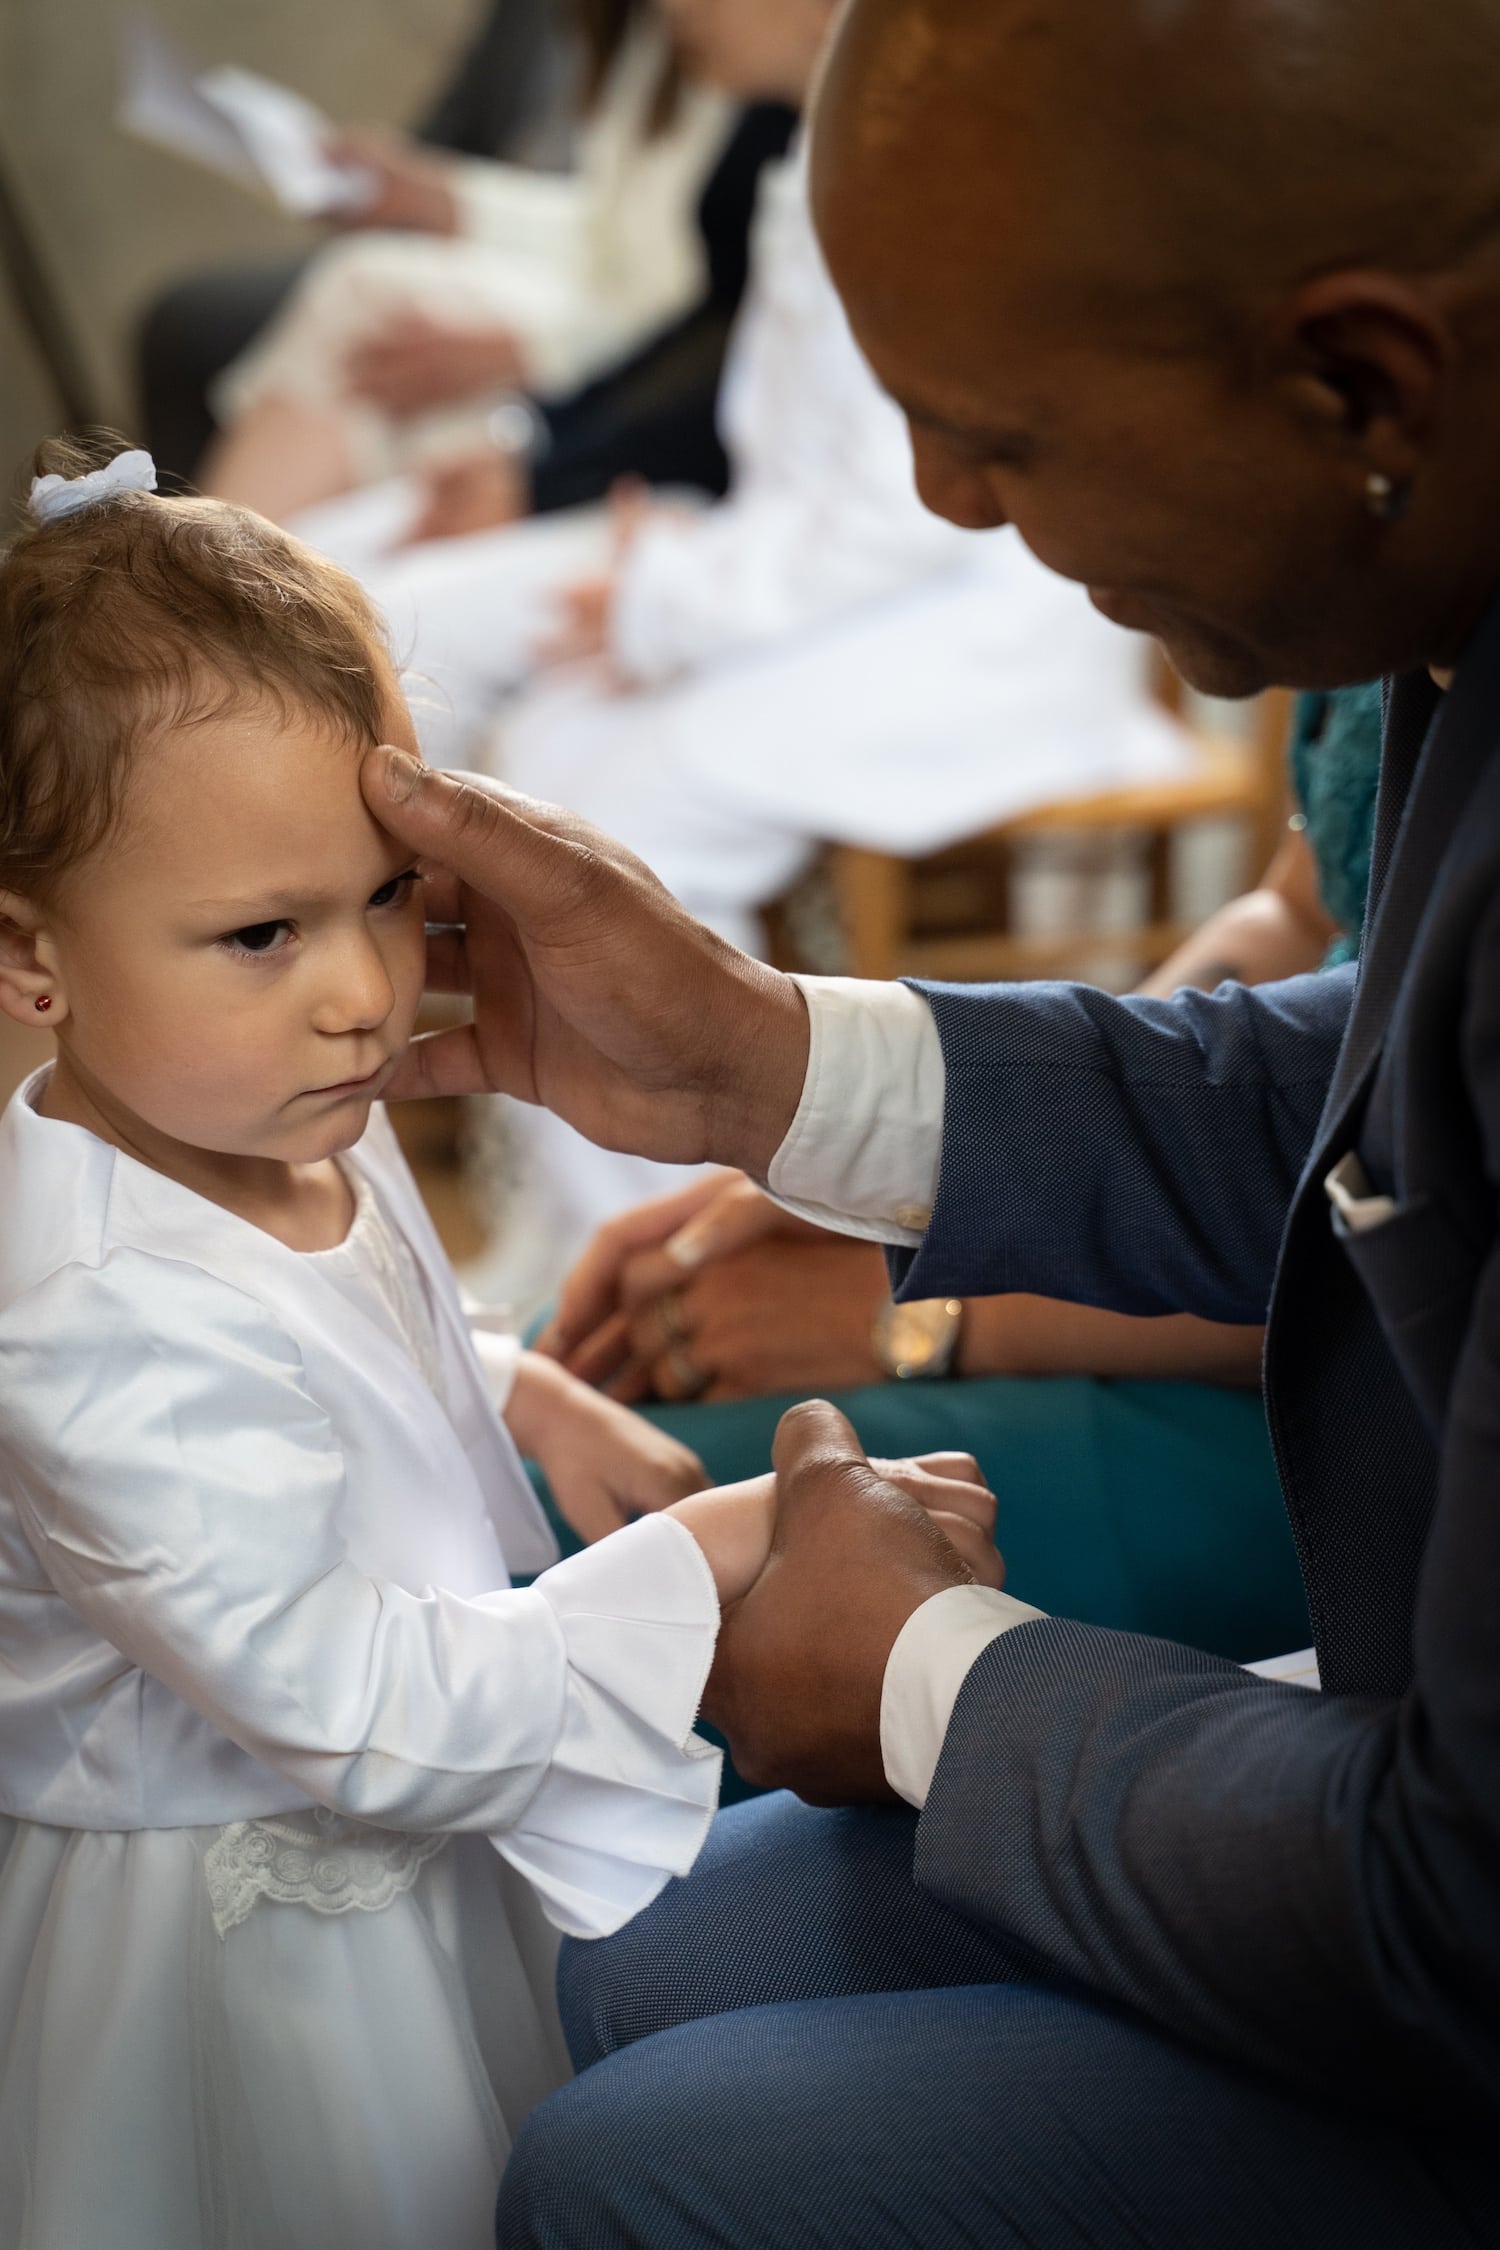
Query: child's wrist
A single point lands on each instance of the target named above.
(540, 1388)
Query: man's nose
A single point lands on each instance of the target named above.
(355, 991)
(954, 488)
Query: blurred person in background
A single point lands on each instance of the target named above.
(816, 657)
(1130, 1455)
(470, 279)
(571, 222)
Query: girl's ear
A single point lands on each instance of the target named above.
(31, 986)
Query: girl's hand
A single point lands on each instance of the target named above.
(736, 1524)
(604, 1464)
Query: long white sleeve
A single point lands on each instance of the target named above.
(861, 1155)
(187, 1497)
(932, 1657)
(630, 1790)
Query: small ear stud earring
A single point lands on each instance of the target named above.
(42, 1003)
(1386, 500)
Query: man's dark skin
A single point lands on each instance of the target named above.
(1166, 284)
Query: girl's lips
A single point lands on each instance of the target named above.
(352, 1085)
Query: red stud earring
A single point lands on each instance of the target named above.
(42, 1003)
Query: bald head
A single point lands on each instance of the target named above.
(1240, 143)
(1200, 294)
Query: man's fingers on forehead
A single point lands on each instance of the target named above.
(448, 968)
(459, 822)
(442, 897)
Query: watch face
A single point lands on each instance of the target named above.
(915, 1334)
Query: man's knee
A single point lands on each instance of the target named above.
(574, 2180)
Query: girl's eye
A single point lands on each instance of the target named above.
(258, 937)
(396, 891)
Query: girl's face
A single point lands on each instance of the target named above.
(240, 969)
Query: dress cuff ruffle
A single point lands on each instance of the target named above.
(627, 1799)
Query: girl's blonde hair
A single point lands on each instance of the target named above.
(145, 613)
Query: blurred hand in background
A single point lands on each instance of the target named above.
(413, 188)
(416, 362)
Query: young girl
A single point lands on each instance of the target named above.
(289, 1774)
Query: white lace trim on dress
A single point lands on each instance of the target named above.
(315, 1859)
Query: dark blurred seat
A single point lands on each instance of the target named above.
(652, 417)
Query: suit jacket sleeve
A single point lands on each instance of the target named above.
(1310, 1884)
(1138, 1154)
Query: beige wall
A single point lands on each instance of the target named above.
(116, 219)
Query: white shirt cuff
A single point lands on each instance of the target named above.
(862, 1152)
(934, 1653)
(627, 1799)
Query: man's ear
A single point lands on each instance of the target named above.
(1369, 356)
(29, 969)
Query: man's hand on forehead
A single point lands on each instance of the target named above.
(594, 992)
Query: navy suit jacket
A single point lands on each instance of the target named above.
(1307, 1884)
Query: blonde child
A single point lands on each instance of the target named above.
(294, 1786)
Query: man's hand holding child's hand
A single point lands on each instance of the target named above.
(736, 1524)
(607, 1465)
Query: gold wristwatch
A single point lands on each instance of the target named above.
(919, 1340)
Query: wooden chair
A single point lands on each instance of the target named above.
(948, 915)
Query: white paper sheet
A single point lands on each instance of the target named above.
(260, 135)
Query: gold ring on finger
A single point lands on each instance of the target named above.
(686, 1373)
(671, 1314)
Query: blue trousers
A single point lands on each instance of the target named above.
(796, 2047)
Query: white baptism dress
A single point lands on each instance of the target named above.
(293, 1784)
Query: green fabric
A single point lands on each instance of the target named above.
(1335, 761)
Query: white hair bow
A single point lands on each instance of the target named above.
(53, 498)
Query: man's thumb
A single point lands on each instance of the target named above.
(815, 1444)
(486, 835)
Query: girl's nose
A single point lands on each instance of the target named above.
(355, 993)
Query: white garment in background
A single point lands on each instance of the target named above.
(861, 1155)
(826, 659)
(583, 268)
(289, 1774)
